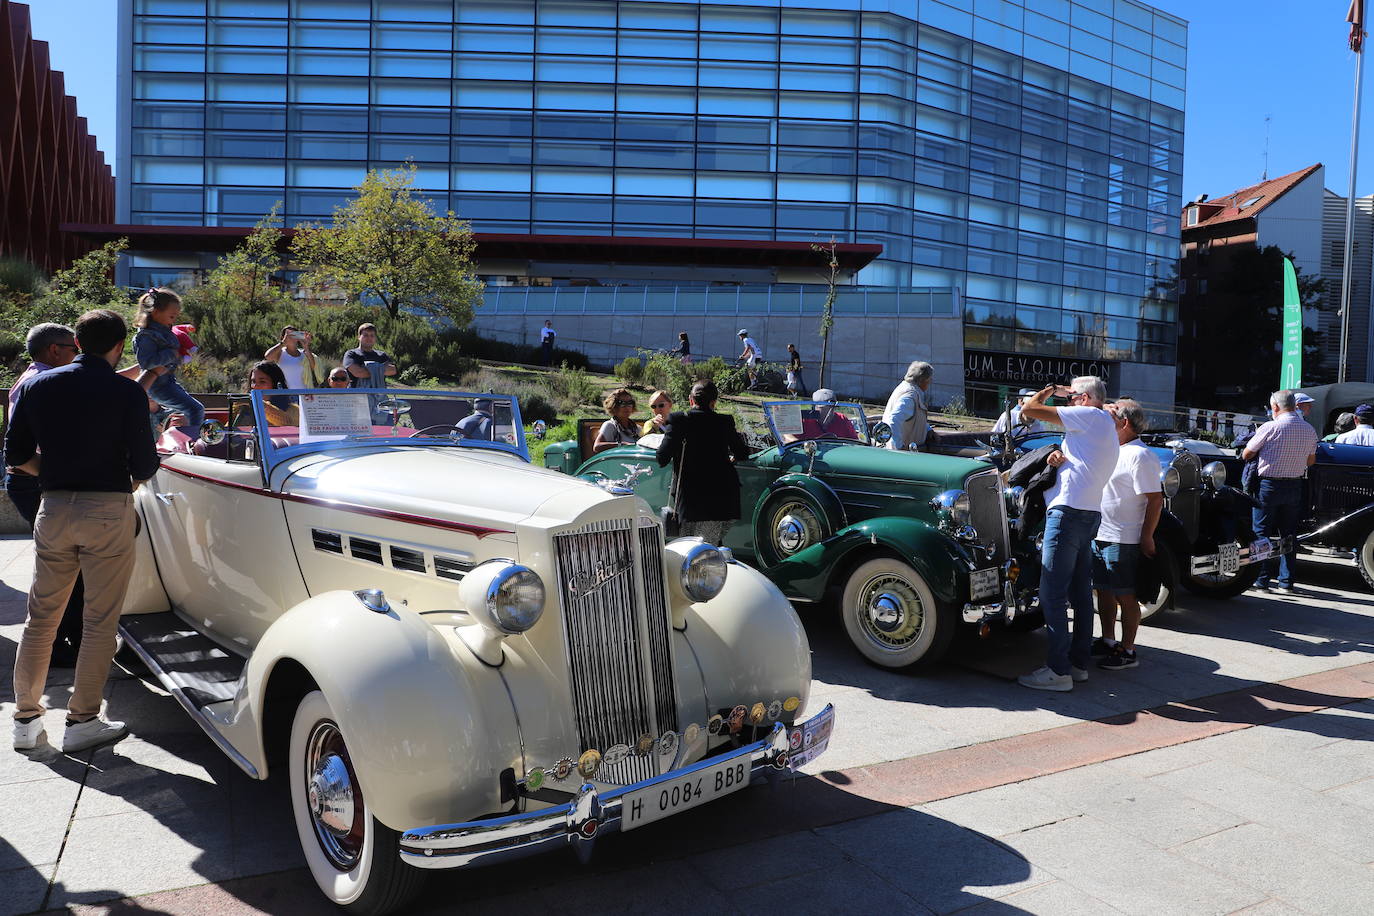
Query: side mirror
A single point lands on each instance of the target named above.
(881, 433)
(212, 432)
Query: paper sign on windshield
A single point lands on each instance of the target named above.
(334, 416)
(788, 419)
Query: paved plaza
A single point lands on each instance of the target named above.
(1230, 772)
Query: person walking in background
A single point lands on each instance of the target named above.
(369, 367)
(293, 354)
(547, 337)
(619, 429)
(1086, 462)
(703, 446)
(1011, 420)
(1282, 450)
(907, 408)
(751, 354)
(661, 403)
(159, 352)
(339, 378)
(1363, 432)
(683, 350)
(91, 427)
(795, 386)
(50, 346)
(1131, 504)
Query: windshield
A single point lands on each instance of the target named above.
(800, 421)
(294, 422)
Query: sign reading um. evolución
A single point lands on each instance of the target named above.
(1032, 371)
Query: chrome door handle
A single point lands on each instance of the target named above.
(165, 498)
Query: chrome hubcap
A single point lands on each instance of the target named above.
(336, 810)
(890, 611)
(791, 533)
(795, 527)
(886, 612)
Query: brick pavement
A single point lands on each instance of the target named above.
(1230, 772)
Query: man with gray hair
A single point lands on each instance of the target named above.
(1131, 503)
(1074, 509)
(907, 407)
(1283, 449)
(50, 346)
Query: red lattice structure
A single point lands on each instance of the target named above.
(51, 171)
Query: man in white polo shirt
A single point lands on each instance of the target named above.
(1074, 503)
(1131, 503)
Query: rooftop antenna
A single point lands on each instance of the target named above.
(1265, 176)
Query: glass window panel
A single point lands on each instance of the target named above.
(715, 101)
(331, 9)
(179, 60)
(169, 87)
(320, 62)
(945, 203)
(873, 218)
(493, 151)
(819, 22)
(996, 35)
(410, 121)
(647, 182)
(941, 96)
(887, 54)
(412, 36)
(738, 75)
(985, 287)
(657, 72)
(1134, 83)
(575, 97)
(153, 114)
(838, 106)
(679, 130)
(934, 13)
(328, 146)
(998, 88)
(412, 64)
(941, 123)
(1171, 30)
(650, 209)
(735, 184)
(654, 156)
(577, 12)
(330, 35)
(721, 18)
(492, 39)
(734, 130)
(938, 175)
(997, 112)
(1047, 28)
(884, 191)
(734, 158)
(415, 10)
(171, 7)
(407, 91)
(658, 16)
(169, 31)
(325, 175)
(573, 152)
(509, 11)
(576, 69)
(813, 218)
(246, 60)
(572, 180)
(887, 82)
(1045, 52)
(249, 145)
(245, 171)
(492, 123)
(314, 203)
(1132, 60)
(737, 47)
(572, 208)
(990, 186)
(165, 170)
(1043, 294)
(573, 126)
(152, 197)
(1091, 67)
(666, 47)
(885, 108)
(1160, 49)
(473, 205)
(991, 211)
(491, 178)
(168, 143)
(328, 90)
(421, 149)
(493, 66)
(656, 99)
(328, 119)
(725, 213)
(944, 70)
(817, 77)
(1168, 73)
(815, 161)
(242, 32)
(818, 51)
(581, 41)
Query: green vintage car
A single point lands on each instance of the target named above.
(913, 546)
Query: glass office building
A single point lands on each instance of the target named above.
(1025, 152)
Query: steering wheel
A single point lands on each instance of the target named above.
(453, 431)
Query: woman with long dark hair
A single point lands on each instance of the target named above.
(703, 446)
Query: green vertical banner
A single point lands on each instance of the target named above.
(1290, 373)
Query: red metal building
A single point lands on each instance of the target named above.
(51, 171)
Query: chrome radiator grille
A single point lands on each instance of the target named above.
(615, 622)
(988, 512)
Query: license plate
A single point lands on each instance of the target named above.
(809, 740)
(1228, 559)
(664, 799)
(984, 582)
(1260, 549)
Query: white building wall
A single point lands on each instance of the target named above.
(1294, 223)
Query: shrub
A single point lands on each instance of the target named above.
(669, 374)
(535, 406)
(20, 280)
(630, 370)
(956, 407)
(569, 388)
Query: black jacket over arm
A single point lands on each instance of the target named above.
(700, 444)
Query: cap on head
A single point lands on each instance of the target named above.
(1025, 392)
(1365, 413)
(823, 396)
(742, 333)
(1300, 398)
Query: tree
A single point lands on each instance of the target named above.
(87, 284)
(387, 246)
(245, 274)
(832, 278)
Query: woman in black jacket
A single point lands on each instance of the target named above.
(703, 446)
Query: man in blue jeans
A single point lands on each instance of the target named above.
(1282, 449)
(1085, 462)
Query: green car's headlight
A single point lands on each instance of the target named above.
(952, 508)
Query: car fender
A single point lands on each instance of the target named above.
(941, 561)
(429, 726)
(750, 644)
(825, 505)
(1347, 531)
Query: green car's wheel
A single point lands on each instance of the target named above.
(790, 521)
(893, 617)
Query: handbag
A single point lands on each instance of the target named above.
(669, 515)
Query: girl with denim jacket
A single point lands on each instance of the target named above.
(158, 350)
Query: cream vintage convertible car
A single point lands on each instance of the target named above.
(453, 656)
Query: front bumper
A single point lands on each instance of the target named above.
(593, 811)
(1003, 605)
(1231, 557)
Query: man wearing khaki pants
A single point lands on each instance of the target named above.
(91, 427)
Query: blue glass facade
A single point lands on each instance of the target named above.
(1027, 152)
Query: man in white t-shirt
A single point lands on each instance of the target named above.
(751, 355)
(1011, 420)
(1363, 433)
(1085, 462)
(293, 354)
(547, 338)
(1131, 503)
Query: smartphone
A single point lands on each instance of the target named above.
(298, 335)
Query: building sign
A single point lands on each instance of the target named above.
(986, 367)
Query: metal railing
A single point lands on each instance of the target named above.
(769, 299)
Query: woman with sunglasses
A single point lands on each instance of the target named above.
(619, 429)
(661, 405)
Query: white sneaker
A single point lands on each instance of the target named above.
(28, 734)
(1078, 674)
(92, 733)
(1046, 679)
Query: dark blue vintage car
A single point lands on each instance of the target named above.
(1340, 504)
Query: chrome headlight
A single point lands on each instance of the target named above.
(1169, 481)
(1215, 471)
(1015, 497)
(504, 595)
(703, 572)
(952, 508)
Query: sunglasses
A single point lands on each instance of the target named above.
(67, 346)
(624, 403)
(658, 405)
(338, 378)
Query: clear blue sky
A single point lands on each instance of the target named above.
(1247, 59)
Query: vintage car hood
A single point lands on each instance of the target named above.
(937, 471)
(463, 485)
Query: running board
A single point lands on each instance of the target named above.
(190, 666)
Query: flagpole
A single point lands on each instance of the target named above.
(1347, 267)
